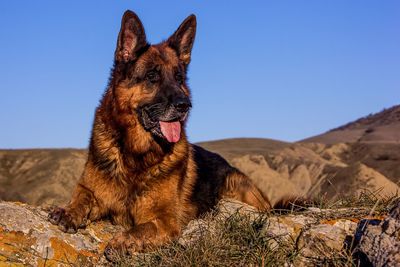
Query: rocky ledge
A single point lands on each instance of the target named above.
(27, 238)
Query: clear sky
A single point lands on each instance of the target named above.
(276, 69)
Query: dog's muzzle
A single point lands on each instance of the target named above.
(165, 120)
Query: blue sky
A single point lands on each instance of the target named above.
(276, 69)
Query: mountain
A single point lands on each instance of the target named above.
(361, 155)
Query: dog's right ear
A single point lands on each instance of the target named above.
(131, 37)
(183, 38)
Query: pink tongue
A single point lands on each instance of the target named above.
(171, 130)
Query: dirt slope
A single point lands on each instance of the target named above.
(39, 176)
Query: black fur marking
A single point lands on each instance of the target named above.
(212, 171)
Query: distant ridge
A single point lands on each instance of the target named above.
(385, 117)
(233, 147)
(381, 127)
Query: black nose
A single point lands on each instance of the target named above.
(182, 104)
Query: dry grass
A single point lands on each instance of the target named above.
(238, 241)
(367, 203)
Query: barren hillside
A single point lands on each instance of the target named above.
(39, 176)
(361, 155)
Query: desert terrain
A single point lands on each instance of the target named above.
(360, 155)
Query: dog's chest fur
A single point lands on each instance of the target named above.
(131, 195)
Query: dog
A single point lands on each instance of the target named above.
(141, 171)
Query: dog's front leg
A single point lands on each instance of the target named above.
(142, 237)
(75, 215)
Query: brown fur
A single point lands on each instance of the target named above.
(152, 188)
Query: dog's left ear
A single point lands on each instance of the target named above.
(131, 37)
(182, 40)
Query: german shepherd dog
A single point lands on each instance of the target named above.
(141, 172)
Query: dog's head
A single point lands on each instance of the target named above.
(149, 81)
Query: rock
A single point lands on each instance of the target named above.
(316, 239)
(325, 241)
(381, 243)
(27, 238)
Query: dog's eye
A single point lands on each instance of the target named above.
(179, 78)
(153, 76)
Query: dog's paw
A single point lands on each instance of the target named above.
(116, 249)
(114, 254)
(59, 216)
(121, 247)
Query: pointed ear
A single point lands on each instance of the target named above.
(131, 37)
(182, 40)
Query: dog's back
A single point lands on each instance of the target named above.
(217, 179)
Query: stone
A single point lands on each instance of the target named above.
(381, 243)
(318, 235)
(26, 237)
